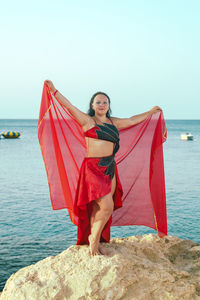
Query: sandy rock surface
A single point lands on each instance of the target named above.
(139, 267)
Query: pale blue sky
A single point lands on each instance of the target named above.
(142, 53)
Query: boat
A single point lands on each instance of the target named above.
(10, 134)
(187, 136)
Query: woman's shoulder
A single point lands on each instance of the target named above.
(89, 124)
(121, 123)
(115, 121)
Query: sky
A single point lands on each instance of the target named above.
(141, 53)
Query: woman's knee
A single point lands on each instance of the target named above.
(106, 212)
(106, 204)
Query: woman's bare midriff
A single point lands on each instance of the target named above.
(98, 148)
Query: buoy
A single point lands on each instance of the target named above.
(10, 134)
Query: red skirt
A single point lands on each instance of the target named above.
(93, 183)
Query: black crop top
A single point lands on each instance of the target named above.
(107, 132)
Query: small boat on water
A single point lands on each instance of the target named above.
(187, 136)
(10, 134)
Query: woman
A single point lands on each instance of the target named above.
(98, 168)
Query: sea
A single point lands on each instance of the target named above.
(30, 230)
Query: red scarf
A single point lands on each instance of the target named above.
(139, 161)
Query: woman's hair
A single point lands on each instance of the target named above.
(91, 111)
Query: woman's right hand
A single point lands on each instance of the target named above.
(155, 109)
(50, 85)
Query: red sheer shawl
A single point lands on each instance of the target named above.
(139, 161)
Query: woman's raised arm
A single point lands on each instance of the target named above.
(81, 117)
(127, 122)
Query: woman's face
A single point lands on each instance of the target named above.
(100, 104)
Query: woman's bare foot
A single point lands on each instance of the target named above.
(94, 246)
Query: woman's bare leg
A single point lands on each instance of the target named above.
(95, 208)
(102, 210)
(113, 188)
(92, 218)
(101, 217)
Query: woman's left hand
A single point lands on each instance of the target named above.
(155, 109)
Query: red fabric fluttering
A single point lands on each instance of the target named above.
(139, 162)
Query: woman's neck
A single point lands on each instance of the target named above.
(101, 119)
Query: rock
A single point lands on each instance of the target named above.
(138, 268)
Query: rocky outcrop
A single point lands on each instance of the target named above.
(139, 267)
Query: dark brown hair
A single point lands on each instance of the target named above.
(91, 111)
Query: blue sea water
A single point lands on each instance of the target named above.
(30, 230)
